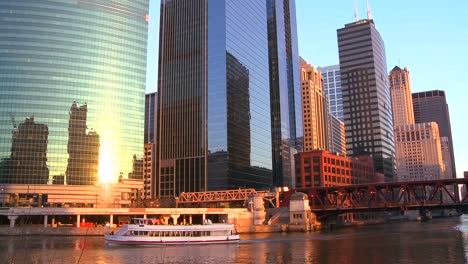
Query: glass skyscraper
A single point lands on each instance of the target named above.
(367, 104)
(72, 90)
(214, 97)
(332, 87)
(285, 92)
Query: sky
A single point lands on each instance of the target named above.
(429, 37)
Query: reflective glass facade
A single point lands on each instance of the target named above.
(72, 83)
(285, 92)
(367, 104)
(332, 87)
(213, 97)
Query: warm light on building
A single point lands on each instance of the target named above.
(314, 108)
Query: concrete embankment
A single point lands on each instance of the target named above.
(39, 230)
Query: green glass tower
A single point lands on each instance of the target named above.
(72, 90)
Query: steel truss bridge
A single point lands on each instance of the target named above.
(326, 201)
(191, 199)
(391, 196)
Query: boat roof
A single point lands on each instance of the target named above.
(210, 227)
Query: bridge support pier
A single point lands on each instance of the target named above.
(78, 220)
(190, 219)
(45, 220)
(111, 220)
(12, 219)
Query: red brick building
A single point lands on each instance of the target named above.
(320, 168)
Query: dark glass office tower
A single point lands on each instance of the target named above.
(366, 95)
(285, 91)
(213, 97)
(151, 107)
(77, 69)
(149, 156)
(431, 106)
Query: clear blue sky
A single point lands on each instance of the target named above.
(429, 37)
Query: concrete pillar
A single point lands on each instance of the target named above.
(190, 219)
(111, 220)
(53, 222)
(174, 219)
(203, 219)
(184, 220)
(45, 220)
(12, 219)
(144, 216)
(166, 219)
(78, 221)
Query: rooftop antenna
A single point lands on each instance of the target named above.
(356, 15)
(369, 11)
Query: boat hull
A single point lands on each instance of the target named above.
(119, 240)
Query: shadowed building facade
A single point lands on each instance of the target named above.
(149, 156)
(332, 87)
(431, 106)
(56, 53)
(285, 90)
(366, 95)
(213, 106)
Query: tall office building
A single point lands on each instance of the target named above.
(366, 95)
(151, 117)
(431, 106)
(400, 90)
(209, 139)
(338, 136)
(285, 92)
(149, 156)
(314, 109)
(419, 152)
(332, 88)
(55, 53)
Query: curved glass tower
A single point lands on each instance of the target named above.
(72, 90)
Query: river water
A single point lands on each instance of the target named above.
(436, 241)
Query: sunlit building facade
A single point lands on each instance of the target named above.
(320, 168)
(402, 102)
(314, 109)
(419, 152)
(73, 72)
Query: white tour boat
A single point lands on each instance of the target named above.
(144, 232)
